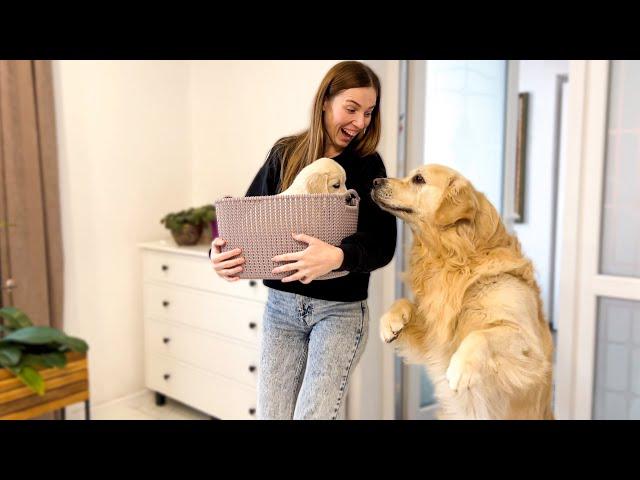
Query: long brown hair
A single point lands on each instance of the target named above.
(300, 150)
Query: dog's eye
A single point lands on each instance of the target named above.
(417, 179)
(336, 185)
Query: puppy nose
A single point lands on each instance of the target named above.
(378, 181)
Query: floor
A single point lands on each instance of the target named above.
(140, 406)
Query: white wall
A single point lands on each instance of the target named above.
(124, 156)
(239, 109)
(139, 139)
(538, 77)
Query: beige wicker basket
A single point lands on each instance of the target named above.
(263, 226)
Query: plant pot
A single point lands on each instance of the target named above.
(63, 386)
(188, 234)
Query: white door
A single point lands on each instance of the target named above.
(598, 363)
(459, 113)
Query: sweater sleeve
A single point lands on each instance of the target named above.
(374, 244)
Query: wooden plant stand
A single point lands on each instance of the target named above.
(63, 386)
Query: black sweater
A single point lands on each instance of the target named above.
(370, 248)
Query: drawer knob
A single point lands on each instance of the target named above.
(252, 325)
(252, 411)
(165, 268)
(252, 283)
(165, 303)
(252, 368)
(167, 376)
(166, 339)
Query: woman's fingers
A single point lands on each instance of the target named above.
(288, 267)
(292, 278)
(304, 277)
(287, 257)
(220, 266)
(304, 238)
(217, 243)
(229, 272)
(223, 263)
(219, 257)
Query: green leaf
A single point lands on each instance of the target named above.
(15, 317)
(49, 360)
(36, 336)
(9, 355)
(75, 344)
(32, 379)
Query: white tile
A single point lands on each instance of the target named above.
(118, 412)
(140, 406)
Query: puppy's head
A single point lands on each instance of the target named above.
(325, 175)
(431, 194)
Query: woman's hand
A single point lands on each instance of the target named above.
(312, 262)
(224, 267)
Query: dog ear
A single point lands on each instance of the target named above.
(458, 203)
(317, 183)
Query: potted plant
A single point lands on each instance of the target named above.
(186, 225)
(25, 347)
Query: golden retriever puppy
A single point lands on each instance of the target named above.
(476, 322)
(324, 175)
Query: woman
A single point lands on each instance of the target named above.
(314, 333)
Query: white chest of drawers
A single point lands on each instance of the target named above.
(201, 333)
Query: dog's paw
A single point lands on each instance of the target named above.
(390, 327)
(461, 373)
(392, 322)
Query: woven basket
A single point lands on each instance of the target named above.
(263, 226)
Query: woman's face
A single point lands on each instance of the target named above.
(347, 114)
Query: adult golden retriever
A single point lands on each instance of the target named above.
(477, 322)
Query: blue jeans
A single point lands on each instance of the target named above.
(308, 351)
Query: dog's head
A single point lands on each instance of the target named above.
(432, 194)
(324, 175)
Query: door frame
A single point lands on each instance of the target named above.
(580, 281)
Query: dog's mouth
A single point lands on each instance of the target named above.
(388, 206)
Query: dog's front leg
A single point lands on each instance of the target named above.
(468, 362)
(392, 322)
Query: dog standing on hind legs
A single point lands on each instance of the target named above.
(477, 323)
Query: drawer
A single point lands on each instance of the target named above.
(230, 359)
(204, 391)
(196, 272)
(219, 314)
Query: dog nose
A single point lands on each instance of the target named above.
(378, 181)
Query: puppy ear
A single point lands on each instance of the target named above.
(458, 203)
(317, 183)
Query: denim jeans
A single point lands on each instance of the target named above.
(308, 351)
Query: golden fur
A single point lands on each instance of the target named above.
(477, 322)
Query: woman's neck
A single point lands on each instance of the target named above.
(331, 151)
